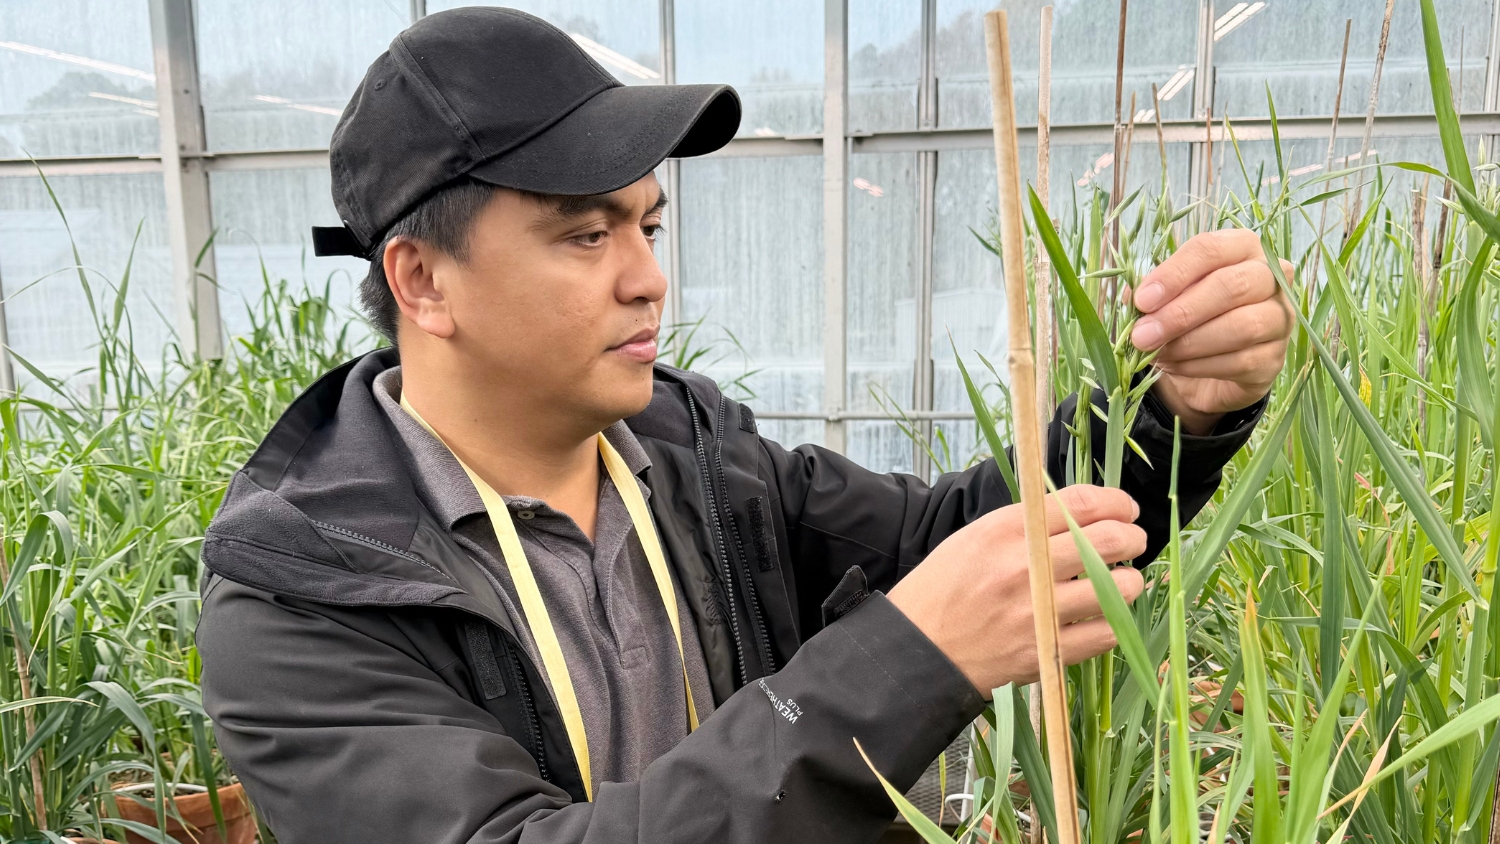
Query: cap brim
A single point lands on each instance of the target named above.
(616, 138)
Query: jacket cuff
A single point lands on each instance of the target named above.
(924, 701)
(1202, 456)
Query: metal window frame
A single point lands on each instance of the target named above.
(835, 219)
(185, 177)
(185, 164)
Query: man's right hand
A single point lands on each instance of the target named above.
(972, 595)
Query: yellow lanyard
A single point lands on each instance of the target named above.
(535, 609)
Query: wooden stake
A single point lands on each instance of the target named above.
(1118, 186)
(1364, 144)
(1161, 139)
(1029, 456)
(1333, 136)
(1046, 339)
(1419, 263)
(23, 669)
(1044, 332)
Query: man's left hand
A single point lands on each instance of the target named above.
(1221, 322)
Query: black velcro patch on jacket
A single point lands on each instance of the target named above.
(747, 420)
(490, 682)
(761, 534)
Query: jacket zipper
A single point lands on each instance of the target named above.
(528, 703)
(757, 623)
(726, 575)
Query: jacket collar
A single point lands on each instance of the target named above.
(441, 482)
(327, 510)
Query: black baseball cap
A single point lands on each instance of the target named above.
(508, 99)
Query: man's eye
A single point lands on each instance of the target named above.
(652, 231)
(591, 238)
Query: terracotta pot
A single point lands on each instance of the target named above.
(198, 814)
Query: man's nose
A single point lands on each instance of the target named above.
(640, 275)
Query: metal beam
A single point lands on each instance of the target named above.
(835, 216)
(80, 165)
(927, 164)
(672, 214)
(189, 212)
(1175, 131)
(866, 415)
(1203, 100)
(1491, 102)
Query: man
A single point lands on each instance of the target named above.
(453, 597)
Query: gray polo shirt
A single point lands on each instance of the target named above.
(608, 614)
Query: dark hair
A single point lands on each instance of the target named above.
(442, 220)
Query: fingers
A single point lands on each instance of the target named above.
(1076, 601)
(1201, 255)
(1087, 504)
(1219, 292)
(1253, 367)
(1085, 640)
(1116, 542)
(1241, 328)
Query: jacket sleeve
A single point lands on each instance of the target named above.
(343, 734)
(839, 514)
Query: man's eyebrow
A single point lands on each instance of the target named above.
(562, 209)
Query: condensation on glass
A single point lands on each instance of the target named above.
(885, 65)
(1295, 47)
(1160, 47)
(882, 310)
(752, 268)
(77, 79)
(54, 306)
(276, 74)
(263, 219)
(771, 51)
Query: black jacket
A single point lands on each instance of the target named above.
(366, 685)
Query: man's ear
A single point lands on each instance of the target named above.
(409, 270)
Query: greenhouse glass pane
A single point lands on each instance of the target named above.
(1304, 160)
(771, 51)
(78, 78)
(1160, 47)
(884, 275)
(623, 35)
(878, 446)
(48, 312)
(752, 270)
(276, 74)
(263, 219)
(885, 65)
(968, 297)
(1295, 48)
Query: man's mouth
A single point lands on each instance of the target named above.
(640, 347)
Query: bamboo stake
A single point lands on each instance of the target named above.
(1333, 136)
(1029, 457)
(1124, 164)
(1161, 140)
(1044, 331)
(1419, 264)
(1364, 144)
(1116, 191)
(1045, 335)
(23, 667)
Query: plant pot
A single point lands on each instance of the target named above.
(198, 814)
